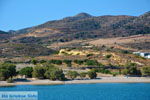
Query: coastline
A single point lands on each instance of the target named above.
(90, 81)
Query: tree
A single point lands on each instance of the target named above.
(27, 71)
(7, 70)
(91, 62)
(146, 71)
(108, 56)
(55, 74)
(79, 62)
(125, 51)
(33, 61)
(92, 74)
(102, 70)
(131, 71)
(72, 74)
(4, 74)
(68, 62)
(42, 61)
(88, 55)
(58, 62)
(38, 72)
(83, 75)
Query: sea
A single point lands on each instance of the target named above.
(98, 91)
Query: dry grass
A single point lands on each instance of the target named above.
(120, 41)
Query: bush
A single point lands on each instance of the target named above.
(10, 80)
(27, 71)
(131, 71)
(38, 72)
(130, 65)
(68, 62)
(102, 70)
(88, 55)
(83, 75)
(72, 74)
(33, 61)
(91, 62)
(125, 51)
(42, 61)
(92, 74)
(58, 62)
(80, 62)
(108, 56)
(7, 70)
(55, 74)
(146, 71)
(114, 73)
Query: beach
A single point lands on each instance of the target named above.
(99, 80)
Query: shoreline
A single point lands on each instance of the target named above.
(90, 81)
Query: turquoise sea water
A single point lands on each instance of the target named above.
(102, 91)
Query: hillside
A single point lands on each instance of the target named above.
(85, 26)
(133, 43)
(21, 50)
(4, 35)
(77, 31)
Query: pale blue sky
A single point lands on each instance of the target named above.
(18, 14)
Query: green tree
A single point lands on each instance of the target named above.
(3, 74)
(108, 56)
(79, 62)
(38, 72)
(91, 62)
(92, 74)
(55, 74)
(146, 71)
(42, 61)
(72, 74)
(131, 71)
(89, 55)
(33, 61)
(83, 75)
(7, 70)
(68, 62)
(58, 62)
(27, 71)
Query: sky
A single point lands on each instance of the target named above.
(19, 14)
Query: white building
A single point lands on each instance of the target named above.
(143, 54)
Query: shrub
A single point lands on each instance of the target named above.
(114, 73)
(58, 62)
(125, 51)
(91, 62)
(146, 71)
(27, 71)
(79, 62)
(72, 74)
(10, 80)
(7, 70)
(83, 75)
(92, 74)
(55, 74)
(131, 71)
(102, 70)
(42, 61)
(38, 72)
(33, 61)
(108, 56)
(88, 55)
(68, 62)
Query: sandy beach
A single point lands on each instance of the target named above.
(100, 80)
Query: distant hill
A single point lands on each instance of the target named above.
(4, 35)
(86, 26)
